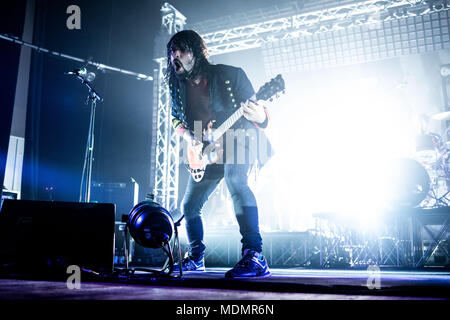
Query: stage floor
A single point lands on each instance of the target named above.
(284, 284)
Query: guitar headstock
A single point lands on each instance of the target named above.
(271, 88)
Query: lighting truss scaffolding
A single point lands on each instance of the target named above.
(266, 27)
(172, 20)
(281, 249)
(342, 243)
(404, 35)
(166, 143)
(335, 17)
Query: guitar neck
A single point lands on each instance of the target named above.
(220, 131)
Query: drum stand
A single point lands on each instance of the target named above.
(437, 168)
(433, 195)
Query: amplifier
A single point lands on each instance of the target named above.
(38, 236)
(147, 257)
(123, 194)
(119, 243)
(7, 194)
(138, 256)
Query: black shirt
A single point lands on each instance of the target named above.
(198, 103)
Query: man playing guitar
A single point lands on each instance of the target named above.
(200, 92)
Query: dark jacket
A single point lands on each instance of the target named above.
(228, 87)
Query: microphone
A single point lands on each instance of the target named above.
(90, 76)
(77, 72)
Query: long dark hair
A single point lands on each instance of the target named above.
(188, 40)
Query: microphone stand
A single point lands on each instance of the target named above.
(86, 178)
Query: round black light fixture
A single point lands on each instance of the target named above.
(150, 225)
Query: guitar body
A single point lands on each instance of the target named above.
(197, 166)
(211, 150)
(202, 155)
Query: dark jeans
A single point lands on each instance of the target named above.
(244, 202)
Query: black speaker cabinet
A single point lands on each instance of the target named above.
(39, 235)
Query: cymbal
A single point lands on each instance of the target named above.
(441, 116)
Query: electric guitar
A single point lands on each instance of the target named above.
(202, 155)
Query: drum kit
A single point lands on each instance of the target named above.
(432, 152)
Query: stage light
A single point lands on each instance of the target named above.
(150, 225)
(344, 136)
(445, 70)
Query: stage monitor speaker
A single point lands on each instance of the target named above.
(9, 195)
(37, 236)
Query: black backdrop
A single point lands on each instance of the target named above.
(11, 23)
(58, 119)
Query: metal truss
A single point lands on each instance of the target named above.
(224, 247)
(166, 143)
(287, 249)
(281, 249)
(344, 245)
(332, 18)
(172, 19)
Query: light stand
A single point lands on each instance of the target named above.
(177, 242)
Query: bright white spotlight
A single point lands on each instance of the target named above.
(445, 70)
(332, 152)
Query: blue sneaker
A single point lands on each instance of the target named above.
(190, 264)
(252, 265)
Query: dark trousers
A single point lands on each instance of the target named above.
(244, 203)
